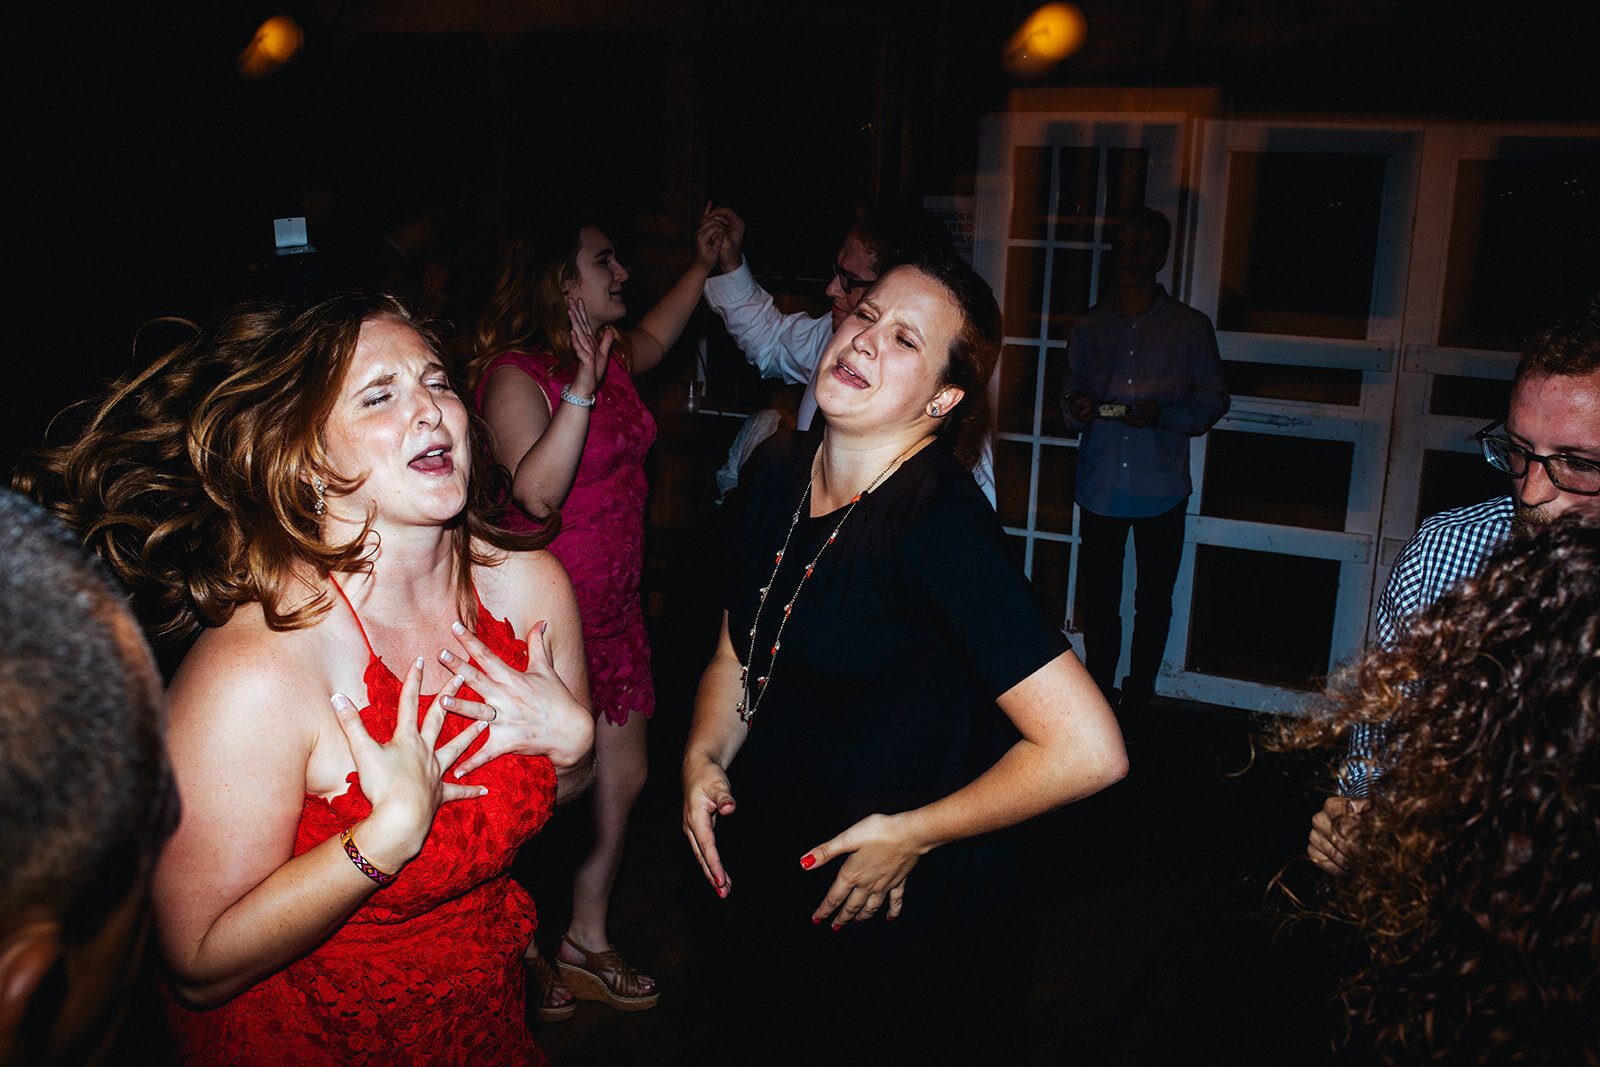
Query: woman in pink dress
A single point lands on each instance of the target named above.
(554, 379)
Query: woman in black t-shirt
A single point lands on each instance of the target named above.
(884, 674)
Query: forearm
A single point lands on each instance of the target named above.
(778, 345)
(571, 781)
(1029, 780)
(716, 732)
(545, 474)
(295, 909)
(1197, 413)
(664, 323)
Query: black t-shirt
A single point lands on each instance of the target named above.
(882, 696)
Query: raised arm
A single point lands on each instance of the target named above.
(663, 324)
(782, 346)
(541, 448)
(1070, 749)
(233, 904)
(715, 737)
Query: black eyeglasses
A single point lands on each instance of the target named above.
(1567, 473)
(849, 282)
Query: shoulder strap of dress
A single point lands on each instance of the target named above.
(356, 617)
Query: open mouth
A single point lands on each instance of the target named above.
(843, 373)
(434, 461)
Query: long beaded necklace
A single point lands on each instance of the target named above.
(747, 707)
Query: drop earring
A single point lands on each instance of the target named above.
(321, 506)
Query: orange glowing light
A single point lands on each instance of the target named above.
(274, 44)
(1049, 35)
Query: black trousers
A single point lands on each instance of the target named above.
(1158, 550)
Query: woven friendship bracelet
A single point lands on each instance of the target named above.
(363, 864)
(574, 398)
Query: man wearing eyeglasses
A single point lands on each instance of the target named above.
(1549, 443)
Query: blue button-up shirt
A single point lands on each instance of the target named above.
(1167, 354)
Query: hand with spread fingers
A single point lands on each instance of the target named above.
(705, 796)
(1333, 842)
(405, 779)
(531, 712)
(592, 349)
(879, 857)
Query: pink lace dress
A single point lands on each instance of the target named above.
(429, 970)
(602, 532)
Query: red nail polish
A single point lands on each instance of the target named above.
(808, 861)
(815, 921)
(836, 929)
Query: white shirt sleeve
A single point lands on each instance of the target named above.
(778, 345)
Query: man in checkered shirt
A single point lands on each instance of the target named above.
(1549, 443)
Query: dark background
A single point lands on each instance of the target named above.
(151, 171)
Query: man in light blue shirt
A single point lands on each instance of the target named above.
(1143, 377)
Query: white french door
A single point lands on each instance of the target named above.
(1370, 284)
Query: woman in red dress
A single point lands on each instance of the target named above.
(303, 490)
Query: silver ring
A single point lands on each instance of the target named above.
(494, 713)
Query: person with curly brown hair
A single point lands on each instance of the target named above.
(1478, 889)
(1549, 443)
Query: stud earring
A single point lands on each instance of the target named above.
(321, 506)
(936, 411)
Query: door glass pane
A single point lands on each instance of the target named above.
(1058, 468)
(1453, 479)
(1301, 242)
(1278, 381)
(1053, 424)
(1079, 194)
(1013, 463)
(1052, 562)
(1235, 632)
(1018, 389)
(1024, 291)
(1479, 398)
(1069, 288)
(1287, 481)
(1523, 235)
(1127, 180)
(1030, 188)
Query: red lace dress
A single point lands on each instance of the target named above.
(430, 969)
(601, 543)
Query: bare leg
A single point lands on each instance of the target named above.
(620, 774)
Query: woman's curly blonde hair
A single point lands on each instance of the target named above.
(192, 477)
(1477, 884)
